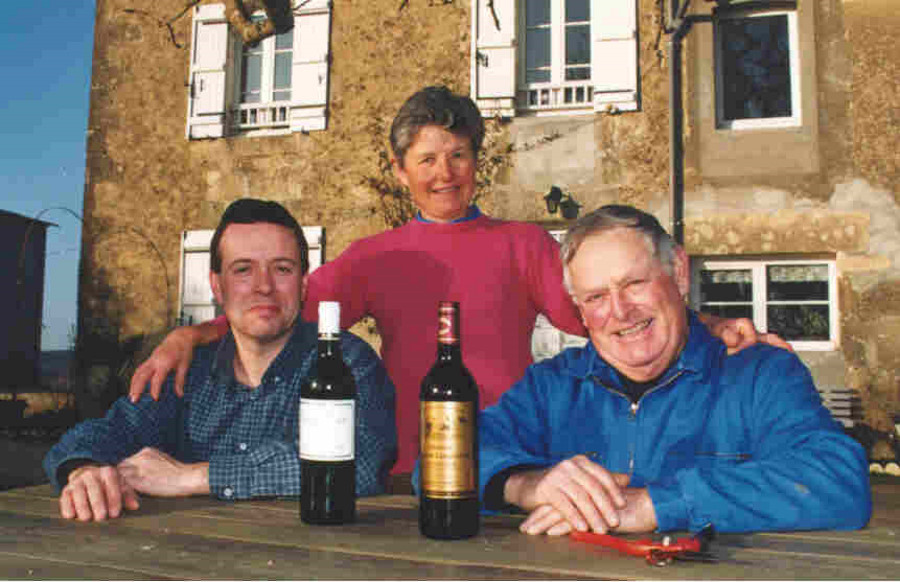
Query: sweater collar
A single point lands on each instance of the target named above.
(471, 214)
(694, 358)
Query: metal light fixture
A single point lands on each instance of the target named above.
(553, 198)
(556, 200)
(569, 207)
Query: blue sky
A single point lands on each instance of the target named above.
(45, 64)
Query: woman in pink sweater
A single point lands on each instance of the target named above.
(502, 273)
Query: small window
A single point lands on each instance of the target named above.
(557, 54)
(795, 299)
(264, 83)
(757, 70)
(550, 57)
(276, 86)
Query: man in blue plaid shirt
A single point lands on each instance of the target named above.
(234, 434)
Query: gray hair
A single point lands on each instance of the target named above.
(612, 216)
(436, 106)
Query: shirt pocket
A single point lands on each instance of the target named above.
(707, 459)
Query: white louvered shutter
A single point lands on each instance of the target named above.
(614, 60)
(493, 70)
(209, 60)
(309, 75)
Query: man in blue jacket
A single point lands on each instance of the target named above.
(651, 426)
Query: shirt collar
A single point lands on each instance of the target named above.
(471, 214)
(303, 337)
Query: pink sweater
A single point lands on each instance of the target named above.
(502, 273)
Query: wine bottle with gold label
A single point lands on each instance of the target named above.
(448, 401)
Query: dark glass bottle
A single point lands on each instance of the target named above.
(328, 430)
(448, 434)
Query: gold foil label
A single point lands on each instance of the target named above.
(447, 441)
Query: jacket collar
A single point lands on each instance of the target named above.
(695, 358)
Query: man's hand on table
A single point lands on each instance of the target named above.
(153, 472)
(579, 494)
(95, 493)
(637, 516)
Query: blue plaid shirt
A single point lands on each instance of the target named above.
(248, 436)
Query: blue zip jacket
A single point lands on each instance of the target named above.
(742, 442)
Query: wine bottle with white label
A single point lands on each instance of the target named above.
(328, 430)
(448, 404)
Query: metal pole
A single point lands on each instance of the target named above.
(676, 124)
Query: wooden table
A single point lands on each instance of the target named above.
(208, 539)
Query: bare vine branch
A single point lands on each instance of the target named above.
(490, 5)
(166, 23)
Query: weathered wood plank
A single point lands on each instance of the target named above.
(43, 548)
(228, 539)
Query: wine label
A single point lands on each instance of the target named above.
(447, 440)
(327, 429)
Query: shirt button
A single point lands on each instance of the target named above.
(228, 492)
(242, 446)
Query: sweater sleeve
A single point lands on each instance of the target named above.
(545, 279)
(802, 471)
(342, 279)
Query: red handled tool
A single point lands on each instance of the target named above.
(657, 553)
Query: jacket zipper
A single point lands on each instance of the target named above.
(633, 408)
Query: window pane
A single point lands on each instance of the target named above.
(755, 67)
(578, 73)
(733, 285)
(282, 71)
(537, 55)
(800, 322)
(251, 77)
(578, 45)
(578, 10)
(797, 282)
(730, 311)
(285, 40)
(537, 12)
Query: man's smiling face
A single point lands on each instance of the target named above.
(633, 309)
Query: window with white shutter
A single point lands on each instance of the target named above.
(276, 86)
(554, 56)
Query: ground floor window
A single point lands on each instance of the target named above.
(797, 299)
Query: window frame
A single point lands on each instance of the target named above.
(759, 302)
(268, 116)
(557, 94)
(497, 62)
(213, 102)
(794, 59)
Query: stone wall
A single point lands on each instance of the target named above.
(829, 188)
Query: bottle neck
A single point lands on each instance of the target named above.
(329, 346)
(448, 352)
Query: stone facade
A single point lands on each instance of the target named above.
(828, 189)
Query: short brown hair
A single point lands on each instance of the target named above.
(251, 211)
